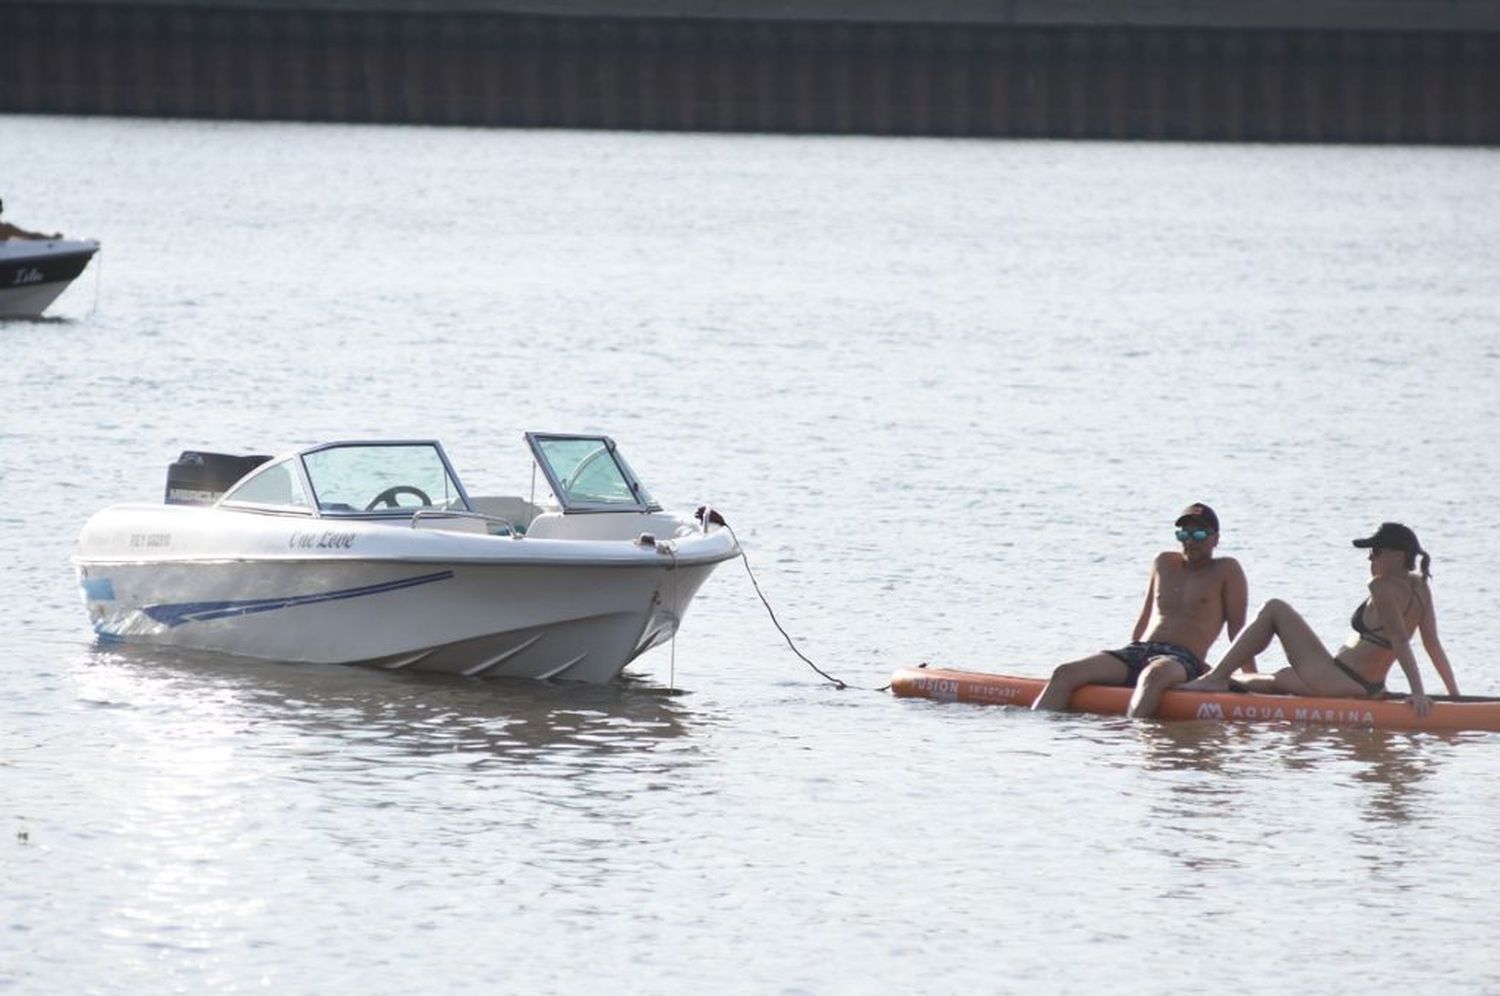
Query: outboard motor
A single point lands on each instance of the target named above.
(200, 478)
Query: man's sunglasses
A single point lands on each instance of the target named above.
(1183, 535)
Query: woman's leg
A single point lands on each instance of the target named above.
(1289, 681)
(1253, 639)
(1276, 618)
(1284, 682)
(1261, 684)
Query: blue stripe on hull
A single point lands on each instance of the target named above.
(188, 612)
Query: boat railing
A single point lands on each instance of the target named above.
(446, 513)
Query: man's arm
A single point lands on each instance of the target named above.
(1236, 604)
(1149, 608)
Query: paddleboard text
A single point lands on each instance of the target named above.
(1296, 714)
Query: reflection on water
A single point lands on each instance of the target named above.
(166, 788)
(392, 712)
(1393, 767)
(1236, 805)
(1207, 747)
(1390, 766)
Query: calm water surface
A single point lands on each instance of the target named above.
(950, 394)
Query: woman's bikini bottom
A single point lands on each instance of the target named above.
(1371, 688)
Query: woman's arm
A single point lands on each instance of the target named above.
(1383, 593)
(1434, 647)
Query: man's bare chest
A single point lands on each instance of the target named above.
(1188, 589)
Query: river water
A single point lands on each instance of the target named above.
(951, 394)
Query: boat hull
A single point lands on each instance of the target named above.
(1449, 714)
(34, 274)
(530, 621)
(287, 589)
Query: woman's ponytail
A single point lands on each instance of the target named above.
(1426, 565)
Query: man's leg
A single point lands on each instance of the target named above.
(1159, 675)
(1100, 669)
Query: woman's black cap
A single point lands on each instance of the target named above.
(1391, 536)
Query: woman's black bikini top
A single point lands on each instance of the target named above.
(1371, 634)
(1366, 633)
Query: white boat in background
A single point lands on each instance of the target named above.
(33, 272)
(373, 553)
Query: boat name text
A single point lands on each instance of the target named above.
(150, 540)
(27, 275)
(327, 540)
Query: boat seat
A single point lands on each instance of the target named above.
(517, 511)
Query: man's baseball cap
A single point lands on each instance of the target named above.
(1199, 512)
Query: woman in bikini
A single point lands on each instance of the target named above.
(1399, 604)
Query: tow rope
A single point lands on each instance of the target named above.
(706, 515)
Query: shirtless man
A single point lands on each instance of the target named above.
(1191, 595)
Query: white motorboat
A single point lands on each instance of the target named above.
(373, 553)
(33, 272)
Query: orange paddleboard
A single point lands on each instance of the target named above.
(1449, 714)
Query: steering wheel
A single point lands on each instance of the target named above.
(390, 494)
(583, 465)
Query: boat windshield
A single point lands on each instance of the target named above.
(587, 473)
(275, 485)
(382, 477)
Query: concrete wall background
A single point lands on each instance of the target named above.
(1003, 77)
